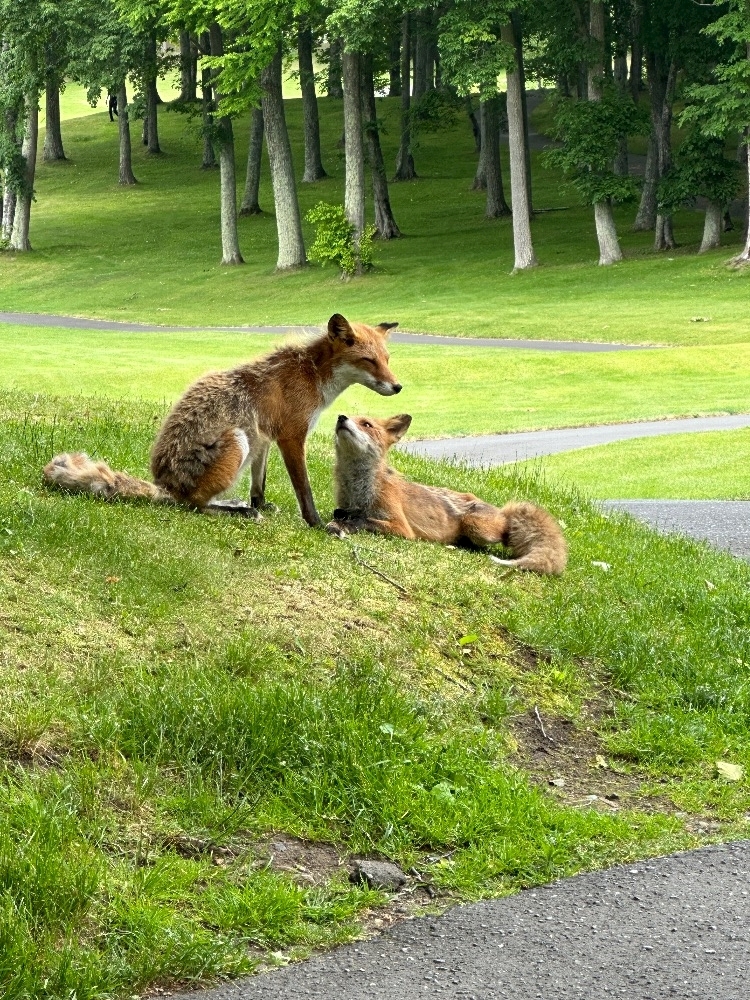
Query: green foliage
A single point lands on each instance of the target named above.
(590, 132)
(701, 170)
(471, 51)
(335, 240)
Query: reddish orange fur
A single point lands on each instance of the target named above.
(227, 417)
(378, 499)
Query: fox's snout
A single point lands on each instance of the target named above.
(389, 388)
(342, 419)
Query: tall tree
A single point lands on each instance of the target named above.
(384, 220)
(53, 149)
(606, 231)
(230, 247)
(496, 205)
(250, 205)
(722, 106)
(405, 170)
(313, 160)
(478, 42)
(354, 185)
(288, 222)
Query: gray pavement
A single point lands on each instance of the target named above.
(81, 323)
(672, 927)
(496, 449)
(723, 523)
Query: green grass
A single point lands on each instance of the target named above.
(151, 253)
(448, 390)
(707, 466)
(177, 688)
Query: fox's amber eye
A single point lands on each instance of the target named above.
(369, 361)
(366, 423)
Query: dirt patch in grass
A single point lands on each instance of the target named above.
(308, 862)
(570, 759)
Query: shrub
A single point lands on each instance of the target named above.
(335, 240)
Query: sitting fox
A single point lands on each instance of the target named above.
(372, 496)
(228, 420)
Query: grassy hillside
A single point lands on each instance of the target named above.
(183, 694)
(152, 252)
(710, 466)
(448, 390)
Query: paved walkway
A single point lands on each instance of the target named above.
(80, 323)
(675, 927)
(496, 449)
(723, 523)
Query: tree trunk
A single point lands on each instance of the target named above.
(422, 51)
(53, 144)
(19, 239)
(661, 87)
(744, 257)
(606, 231)
(476, 130)
(496, 203)
(354, 186)
(9, 211)
(712, 226)
(524, 249)
(384, 221)
(335, 88)
(152, 102)
(250, 204)
(480, 176)
(187, 81)
(230, 244)
(621, 166)
(646, 217)
(394, 65)
(636, 53)
(207, 101)
(123, 127)
(518, 35)
(405, 161)
(288, 223)
(313, 161)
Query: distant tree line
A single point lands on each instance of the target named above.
(619, 68)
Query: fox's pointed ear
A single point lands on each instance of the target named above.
(398, 426)
(385, 328)
(339, 329)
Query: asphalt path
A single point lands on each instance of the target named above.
(672, 927)
(723, 523)
(496, 449)
(81, 323)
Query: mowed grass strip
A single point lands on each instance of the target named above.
(152, 252)
(178, 687)
(448, 390)
(708, 466)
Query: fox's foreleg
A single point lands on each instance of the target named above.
(258, 470)
(293, 452)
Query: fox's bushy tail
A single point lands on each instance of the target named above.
(80, 474)
(534, 538)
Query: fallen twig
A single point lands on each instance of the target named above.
(541, 724)
(453, 680)
(377, 572)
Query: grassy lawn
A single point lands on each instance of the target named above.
(448, 390)
(710, 466)
(151, 253)
(180, 692)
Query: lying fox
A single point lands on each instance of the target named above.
(227, 420)
(372, 496)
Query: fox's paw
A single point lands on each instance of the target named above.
(238, 508)
(336, 529)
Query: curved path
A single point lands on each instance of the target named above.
(674, 927)
(80, 323)
(723, 523)
(497, 449)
